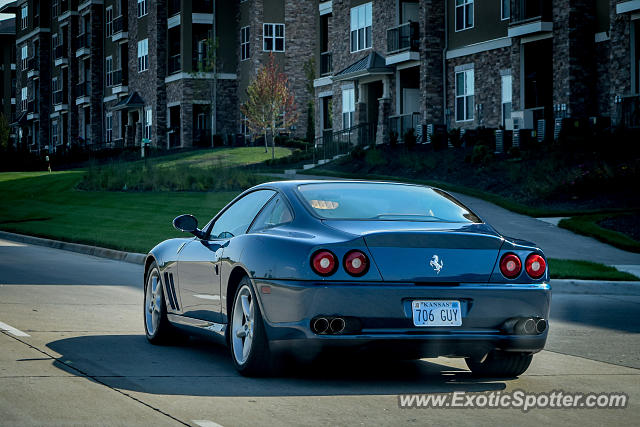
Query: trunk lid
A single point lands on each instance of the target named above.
(428, 252)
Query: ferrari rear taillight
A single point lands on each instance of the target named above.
(535, 266)
(510, 266)
(324, 263)
(356, 263)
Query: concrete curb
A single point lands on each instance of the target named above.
(132, 257)
(594, 287)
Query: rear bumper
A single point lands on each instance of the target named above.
(384, 313)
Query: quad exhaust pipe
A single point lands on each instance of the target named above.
(525, 325)
(328, 326)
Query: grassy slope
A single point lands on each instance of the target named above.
(570, 269)
(588, 226)
(47, 205)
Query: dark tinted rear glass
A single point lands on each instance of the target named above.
(383, 201)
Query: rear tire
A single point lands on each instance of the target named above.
(248, 341)
(156, 325)
(501, 364)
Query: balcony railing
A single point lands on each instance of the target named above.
(530, 10)
(402, 123)
(84, 88)
(32, 107)
(403, 37)
(202, 6)
(120, 77)
(36, 21)
(60, 52)
(326, 65)
(630, 111)
(174, 64)
(59, 97)
(174, 7)
(33, 64)
(120, 25)
(84, 40)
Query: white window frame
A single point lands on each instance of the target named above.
(24, 98)
(143, 55)
(108, 127)
(272, 29)
(245, 43)
(504, 17)
(468, 91)
(465, 5)
(348, 107)
(108, 70)
(108, 22)
(24, 57)
(142, 8)
(24, 14)
(148, 122)
(361, 22)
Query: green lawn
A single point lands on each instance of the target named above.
(588, 226)
(570, 269)
(47, 205)
(239, 156)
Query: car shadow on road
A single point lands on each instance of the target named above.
(202, 368)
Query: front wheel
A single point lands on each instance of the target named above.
(501, 364)
(247, 337)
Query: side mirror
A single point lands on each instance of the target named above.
(188, 224)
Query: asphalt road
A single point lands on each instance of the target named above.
(85, 361)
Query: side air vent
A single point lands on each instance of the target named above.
(171, 291)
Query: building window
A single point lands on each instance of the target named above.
(24, 57)
(348, 107)
(244, 126)
(54, 133)
(108, 26)
(142, 8)
(55, 8)
(108, 124)
(108, 63)
(273, 37)
(143, 55)
(361, 27)
(245, 53)
(148, 119)
(464, 95)
(506, 98)
(25, 17)
(464, 14)
(506, 9)
(24, 98)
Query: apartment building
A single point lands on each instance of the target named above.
(8, 69)
(394, 65)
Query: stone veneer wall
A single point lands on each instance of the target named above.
(96, 62)
(432, 38)
(487, 85)
(619, 59)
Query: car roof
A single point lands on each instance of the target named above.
(292, 184)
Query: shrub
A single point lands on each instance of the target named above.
(410, 139)
(374, 158)
(481, 154)
(393, 139)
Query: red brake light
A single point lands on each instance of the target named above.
(356, 263)
(324, 263)
(510, 266)
(535, 266)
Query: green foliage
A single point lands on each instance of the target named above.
(410, 139)
(4, 133)
(481, 155)
(454, 138)
(393, 138)
(374, 158)
(589, 225)
(572, 269)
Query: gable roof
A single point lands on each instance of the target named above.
(372, 64)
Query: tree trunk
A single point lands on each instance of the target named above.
(265, 142)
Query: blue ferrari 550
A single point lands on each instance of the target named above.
(303, 266)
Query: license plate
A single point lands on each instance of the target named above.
(436, 313)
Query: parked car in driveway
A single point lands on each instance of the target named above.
(298, 266)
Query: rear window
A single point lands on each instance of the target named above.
(383, 202)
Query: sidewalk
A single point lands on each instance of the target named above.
(555, 242)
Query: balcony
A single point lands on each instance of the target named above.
(403, 43)
(326, 65)
(83, 90)
(60, 55)
(57, 97)
(120, 30)
(627, 6)
(33, 68)
(174, 8)
(174, 65)
(630, 111)
(60, 100)
(325, 7)
(202, 6)
(33, 110)
(120, 82)
(84, 44)
(402, 123)
(530, 17)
